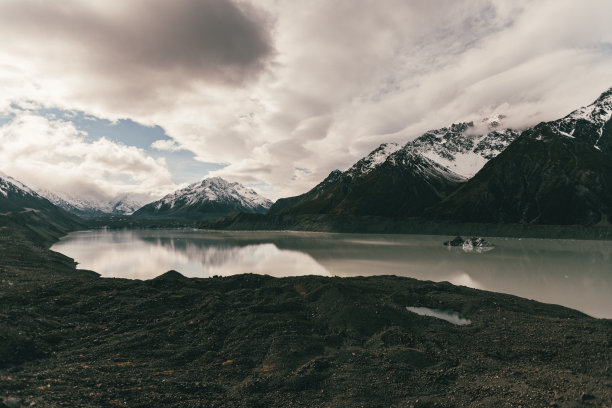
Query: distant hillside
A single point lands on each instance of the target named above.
(123, 205)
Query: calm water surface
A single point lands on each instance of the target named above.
(577, 274)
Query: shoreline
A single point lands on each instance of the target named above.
(413, 226)
(75, 339)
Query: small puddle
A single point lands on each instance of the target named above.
(449, 316)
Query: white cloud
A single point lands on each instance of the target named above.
(166, 145)
(54, 155)
(318, 85)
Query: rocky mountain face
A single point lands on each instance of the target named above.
(210, 198)
(558, 172)
(464, 148)
(402, 181)
(123, 205)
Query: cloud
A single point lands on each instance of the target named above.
(139, 53)
(369, 76)
(275, 85)
(54, 155)
(166, 145)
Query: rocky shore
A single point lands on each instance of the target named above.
(69, 338)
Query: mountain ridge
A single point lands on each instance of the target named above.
(125, 204)
(211, 197)
(416, 175)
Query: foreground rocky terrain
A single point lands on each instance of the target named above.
(70, 338)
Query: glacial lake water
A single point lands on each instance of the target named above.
(572, 273)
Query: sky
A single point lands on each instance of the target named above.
(104, 98)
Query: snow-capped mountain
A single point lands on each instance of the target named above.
(590, 123)
(9, 185)
(212, 197)
(387, 182)
(558, 172)
(32, 213)
(460, 148)
(374, 159)
(403, 180)
(16, 196)
(122, 205)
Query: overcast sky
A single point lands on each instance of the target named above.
(99, 98)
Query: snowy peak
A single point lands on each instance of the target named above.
(598, 112)
(590, 123)
(215, 189)
(17, 197)
(461, 148)
(494, 121)
(212, 197)
(121, 205)
(374, 159)
(125, 205)
(10, 185)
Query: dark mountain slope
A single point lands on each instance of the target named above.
(403, 185)
(544, 177)
(28, 215)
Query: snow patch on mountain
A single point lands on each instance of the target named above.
(374, 159)
(461, 148)
(466, 164)
(425, 166)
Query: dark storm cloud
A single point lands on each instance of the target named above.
(211, 40)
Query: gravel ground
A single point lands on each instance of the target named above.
(69, 338)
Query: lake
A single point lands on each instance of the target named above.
(572, 273)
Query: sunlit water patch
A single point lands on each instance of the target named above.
(575, 274)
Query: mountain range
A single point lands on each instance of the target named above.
(557, 172)
(123, 205)
(554, 173)
(396, 180)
